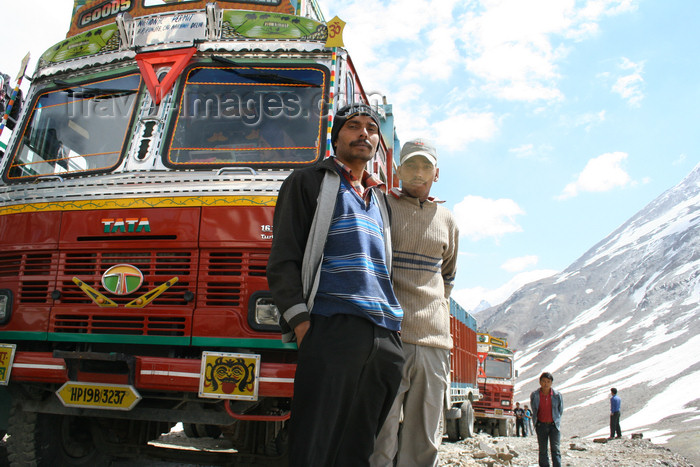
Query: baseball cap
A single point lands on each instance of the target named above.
(349, 111)
(419, 147)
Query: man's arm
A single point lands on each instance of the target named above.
(534, 404)
(292, 220)
(561, 404)
(449, 258)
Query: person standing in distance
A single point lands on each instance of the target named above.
(519, 420)
(424, 236)
(528, 421)
(328, 272)
(547, 409)
(615, 403)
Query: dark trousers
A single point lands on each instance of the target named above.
(520, 427)
(348, 373)
(615, 425)
(548, 433)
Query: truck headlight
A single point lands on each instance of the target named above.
(5, 306)
(266, 311)
(263, 314)
(505, 403)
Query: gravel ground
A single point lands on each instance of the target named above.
(484, 450)
(576, 452)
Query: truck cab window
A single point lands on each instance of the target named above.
(248, 116)
(498, 367)
(77, 129)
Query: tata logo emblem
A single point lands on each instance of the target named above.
(122, 279)
(136, 225)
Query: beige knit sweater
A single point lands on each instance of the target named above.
(424, 241)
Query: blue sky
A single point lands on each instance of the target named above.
(555, 120)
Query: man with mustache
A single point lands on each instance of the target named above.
(328, 272)
(424, 238)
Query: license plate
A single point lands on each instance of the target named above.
(7, 356)
(229, 376)
(98, 396)
(498, 411)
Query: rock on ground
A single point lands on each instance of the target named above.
(484, 450)
(576, 452)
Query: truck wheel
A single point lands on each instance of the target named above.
(503, 426)
(452, 429)
(466, 421)
(207, 431)
(51, 440)
(200, 430)
(190, 430)
(278, 446)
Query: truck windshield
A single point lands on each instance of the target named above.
(77, 129)
(498, 367)
(248, 116)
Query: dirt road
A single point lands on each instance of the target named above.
(478, 451)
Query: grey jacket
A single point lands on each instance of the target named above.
(557, 406)
(302, 220)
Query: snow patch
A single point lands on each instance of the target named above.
(660, 367)
(565, 277)
(675, 220)
(649, 320)
(580, 344)
(550, 298)
(673, 400)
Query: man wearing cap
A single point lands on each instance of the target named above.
(424, 238)
(328, 272)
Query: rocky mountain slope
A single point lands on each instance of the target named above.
(625, 314)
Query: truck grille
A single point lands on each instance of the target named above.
(227, 275)
(126, 324)
(36, 272)
(219, 278)
(168, 315)
(157, 267)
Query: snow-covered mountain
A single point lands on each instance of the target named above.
(625, 315)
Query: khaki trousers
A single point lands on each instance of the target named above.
(415, 441)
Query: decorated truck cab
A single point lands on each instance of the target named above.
(496, 378)
(136, 200)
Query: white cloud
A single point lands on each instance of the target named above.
(602, 173)
(520, 264)
(509, 49)
(523, 151)
(50, 25)
(471, 297)
(479, 217)
(458, 129)
(514, 47)
(629, 86)
(590, 119)
(530, 152)
(679, 160)
(597, 8)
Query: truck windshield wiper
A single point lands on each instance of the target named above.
(82, 91)
(258, 75)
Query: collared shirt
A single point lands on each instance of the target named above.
(615, 404)
(544, 411)
(398, 193)
(360, 186)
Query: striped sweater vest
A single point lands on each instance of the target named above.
(354, 277)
